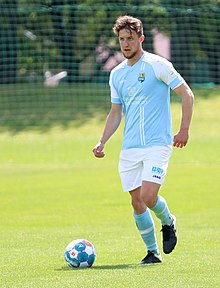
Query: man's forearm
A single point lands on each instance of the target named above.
(187, 109)
(111, 126)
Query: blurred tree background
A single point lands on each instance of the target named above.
(56, 55)
(68, 35)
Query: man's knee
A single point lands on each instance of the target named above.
(150, 200)
(149, 193)
(137, 201)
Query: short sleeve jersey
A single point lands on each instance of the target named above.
(144, 91)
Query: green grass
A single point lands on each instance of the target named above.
(53, 191)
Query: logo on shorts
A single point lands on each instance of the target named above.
(156, 176)
(157, 170)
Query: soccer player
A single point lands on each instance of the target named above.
(140, 89)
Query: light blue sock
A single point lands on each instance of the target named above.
(145, 225)
(162, 211)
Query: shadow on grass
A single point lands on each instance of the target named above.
(108, 267)
(101, 267)
(35, 107)
(27, 107)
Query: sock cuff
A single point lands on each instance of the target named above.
(139, 216)
(159, 198)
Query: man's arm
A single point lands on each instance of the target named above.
(182, 136)
(112, 122)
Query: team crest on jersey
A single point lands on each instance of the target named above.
(141, 77)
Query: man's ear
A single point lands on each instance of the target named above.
(142, 38)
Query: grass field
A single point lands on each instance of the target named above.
(53, 191)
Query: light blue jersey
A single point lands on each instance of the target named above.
(144, 91)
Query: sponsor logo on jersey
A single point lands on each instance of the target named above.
(141, 77)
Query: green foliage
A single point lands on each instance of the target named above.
(66, 35)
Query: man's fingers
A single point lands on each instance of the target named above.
(179, 144)
(98, 152)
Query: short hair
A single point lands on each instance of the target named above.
(128, 22)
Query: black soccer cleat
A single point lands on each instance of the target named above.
(151, 258)
(169, 236)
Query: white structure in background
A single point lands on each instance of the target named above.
(53, 80)
(161, 44)
(30, 35)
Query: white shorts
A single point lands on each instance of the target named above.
(143, 164)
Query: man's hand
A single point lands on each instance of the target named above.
(181, 138)
(98, 150)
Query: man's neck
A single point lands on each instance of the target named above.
(136, 58)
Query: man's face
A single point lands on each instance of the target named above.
(130, 43)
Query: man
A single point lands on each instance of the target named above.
(140, 88)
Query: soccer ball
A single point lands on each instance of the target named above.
(80, 253)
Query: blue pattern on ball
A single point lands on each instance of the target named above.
(80, 253)
(80, 246)
(72, 262)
